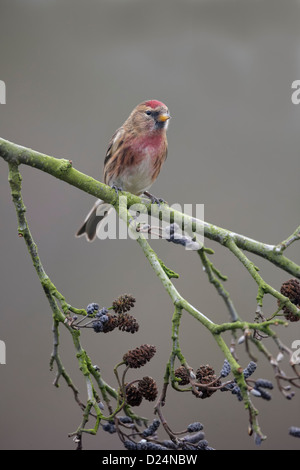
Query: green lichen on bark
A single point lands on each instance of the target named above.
(237, 244)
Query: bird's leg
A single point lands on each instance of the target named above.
(154, 200)
(116, 188)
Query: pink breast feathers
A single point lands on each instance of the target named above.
(149, 145)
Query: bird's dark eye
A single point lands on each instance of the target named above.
(148, 113)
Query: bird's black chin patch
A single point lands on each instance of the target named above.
(160, 124)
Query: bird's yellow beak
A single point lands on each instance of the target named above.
(163, 117)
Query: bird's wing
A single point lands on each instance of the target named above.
(114, 144)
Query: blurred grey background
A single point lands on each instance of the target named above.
(74, 70)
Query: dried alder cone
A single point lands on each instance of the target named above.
(148, 388)
(124, 303)
(133, 395)
(105, 322)
(291, 289)
(127, 323)
(138, 357)
(206, 375)
(111, 323)
(182, 374)
(122, 321)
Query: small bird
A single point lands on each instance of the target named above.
(133, 159)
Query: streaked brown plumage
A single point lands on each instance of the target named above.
(134, 157)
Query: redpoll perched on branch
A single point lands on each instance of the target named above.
(133, 159)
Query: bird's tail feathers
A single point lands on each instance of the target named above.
(96, 215)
